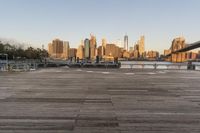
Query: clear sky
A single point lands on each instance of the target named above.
(37, 22)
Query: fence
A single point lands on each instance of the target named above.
(18, 66)
(175, 66)
(29, 66)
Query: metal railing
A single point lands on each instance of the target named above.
(175, 66)
(18, 65)
(32, 65)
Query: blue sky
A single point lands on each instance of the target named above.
(37, 22)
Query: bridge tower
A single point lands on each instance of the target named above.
(177, 44)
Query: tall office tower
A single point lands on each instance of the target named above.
(93, 45)
(50, 49)
(136, 50)
(152, 55)
(136, 46)
(57, 48)
(72, 52)
(141, 46)
(131, 49)
(126, 42)
(80, 52)
(99, 51)
(82, 43)
(66, 50)
(96, 51)
(103, 47)
(112, 50)
(87, 48)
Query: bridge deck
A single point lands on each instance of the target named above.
(187, 48)
(100, 101)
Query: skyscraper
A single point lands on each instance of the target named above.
(66, 49)
(59, 49)
(112, 50)
(126, 42)
(72, 53)
(55, 48)
(50, 49)
(93, 45)
(100, 53)
(87, 48)
(141, 46)
(80, 52)
(103, 47)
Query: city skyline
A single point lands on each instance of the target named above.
(88, 51)
(37, 22)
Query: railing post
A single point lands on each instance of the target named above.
(155, 66)
(142, 66)
(131, 66)
(179, 66)
(167, 67)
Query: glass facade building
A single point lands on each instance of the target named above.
(87, 48)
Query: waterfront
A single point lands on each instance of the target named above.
(159, 65)
(66, 100)
(30, 65)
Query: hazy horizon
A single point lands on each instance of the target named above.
(37, 22)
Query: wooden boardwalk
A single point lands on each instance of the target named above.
(100, 101)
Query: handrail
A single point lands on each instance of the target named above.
(156, 66)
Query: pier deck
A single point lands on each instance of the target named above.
(61, 100)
